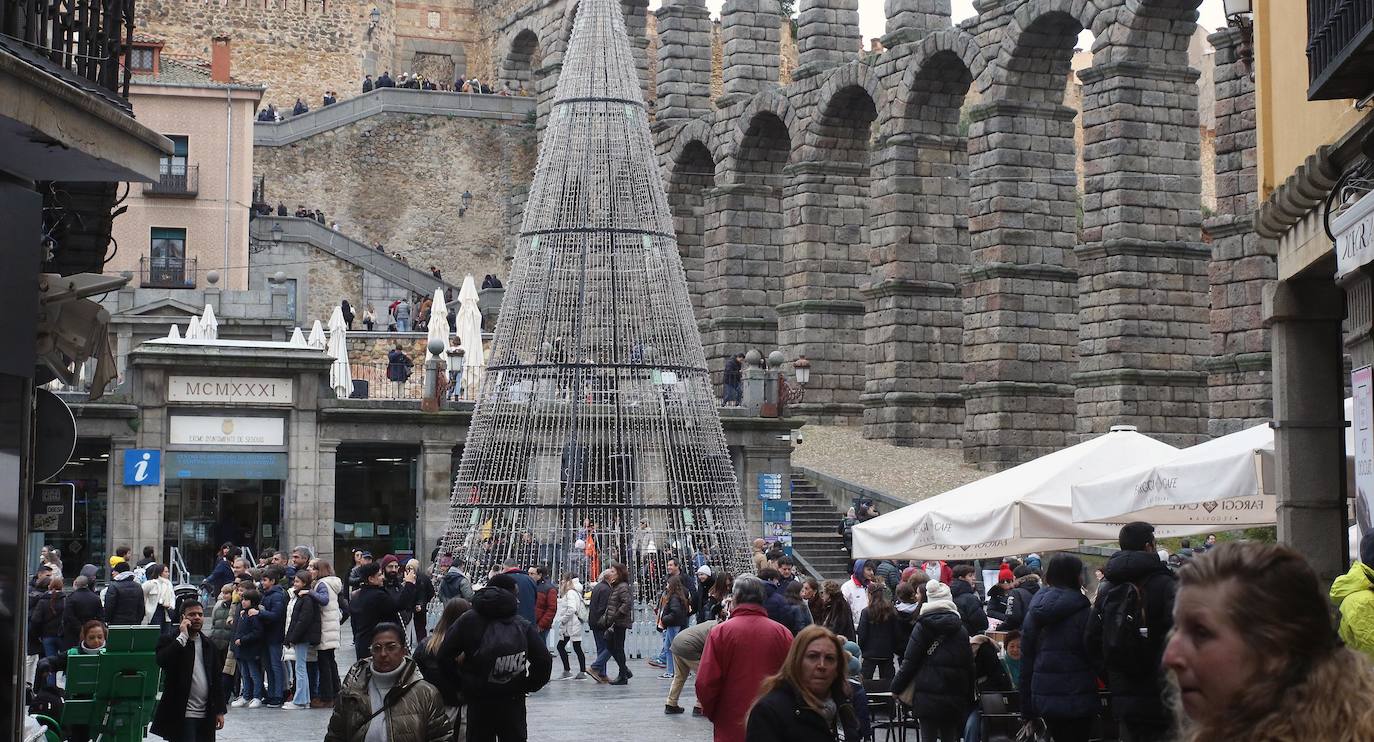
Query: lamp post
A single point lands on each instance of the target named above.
(802, 367)
(375, 19)
(276, 231)
(1240, 16)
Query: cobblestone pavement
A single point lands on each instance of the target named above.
(903, 472)
(571, 710)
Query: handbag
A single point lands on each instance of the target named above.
(907, 695)
(1034, 730)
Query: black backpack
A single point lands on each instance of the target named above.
(1126, 640)
(500, 664)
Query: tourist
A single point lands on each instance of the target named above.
(159, 599)
(222, 573)
(733, 380)
(1248, 661)
(192, 705)
(369, 607)
(45, 618)
(1011, 656)
(880, 636)
(398, 367)
(739, 654)
(938, 665)
(855, 589)
(249, 649)
(996, 609)
(401, 310)
(367, 83)
(809, 697)
(990, 676)
(347, 312)
(81, 606)
(525, 593)
(221, 614)
(570, 621)
(441, 675)
(123, 597)
(149, 556)
(272, 613)
(618, 619)
(546, 597)
(1058, 683)
(776, 604)
(501, 659)
(328, 592)
(835, 613)
(423, 593)
(386, 698)
(1125, 652)
(846, 529)
(385, 81)
(299, 108)
(675, 613)
(300, 559)
(907, 608)
(596, 614)
(963, 588)
(687, 649)
(454, 583)
(369, 318)
(301, 633)
(1023, 590)
(329, 98)
(1353, 593)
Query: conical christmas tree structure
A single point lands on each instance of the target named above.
(596, 437)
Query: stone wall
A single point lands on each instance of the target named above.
(398, 179)
(294, 48)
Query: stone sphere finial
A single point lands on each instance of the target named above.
(753, 357)
(212, 277)
(436, 346)
(776, 359)
(279, 277)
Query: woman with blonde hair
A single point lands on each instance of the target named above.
(809, 699)
(1248, 661)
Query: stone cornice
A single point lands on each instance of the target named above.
(1037, 271)
(1144, 249)
(1133, 69)
(1139, 377)
(820, 306)
(913, 399)
(1021, 109)
(904, 287)
(1236, 362)
(1307, 187)
(826, 167)
(739, 323)
(1014, 389)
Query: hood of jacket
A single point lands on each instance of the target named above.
(1133, 566)
(859, 571)
(1054, 604)
(334, 583)
(941, 622)
(908, 607)
(1359, 578)
(960, 587)
(494, 602)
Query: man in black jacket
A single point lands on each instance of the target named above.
(502, 659)
(966, 599)
(82, 606)
(596, 608)
(1025, 587)
(778, 607)
(1137, 688)
(192, 705)
(368, 606)
(123, 598)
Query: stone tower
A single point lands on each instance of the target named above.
(596, 436)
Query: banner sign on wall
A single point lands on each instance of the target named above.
(770, 486)
(1362, 418)
(777, 523)
(227, 431)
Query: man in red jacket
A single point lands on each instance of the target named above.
(740, 653)
(545, 601)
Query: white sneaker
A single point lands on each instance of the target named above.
(289, 706)
(256, 703)
(239, 703)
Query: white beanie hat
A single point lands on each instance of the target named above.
(936, 590)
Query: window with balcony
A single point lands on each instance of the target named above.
(167, 266)
(1340, 49)
(175, 177)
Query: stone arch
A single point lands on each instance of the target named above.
(522, 61)
(945, 66)
(1156, 31)
(847, 106)
(691, 174)
(1036, 54)
(764, 141)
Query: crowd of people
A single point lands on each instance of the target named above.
(409, 80)
(1236, 643)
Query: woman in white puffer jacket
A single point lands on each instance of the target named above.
(571, 621)
(158, 592)
(327, 591)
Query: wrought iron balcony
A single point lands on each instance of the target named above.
(86, 37)
(1340, 49)
(167, 273)
(175, 185)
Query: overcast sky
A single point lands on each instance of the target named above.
(872, 22)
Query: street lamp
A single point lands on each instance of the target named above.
(375, 17)
(1240, 16)
(276, 231)
(802, 367)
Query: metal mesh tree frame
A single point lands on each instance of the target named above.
(596, 436)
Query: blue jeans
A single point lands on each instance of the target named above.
(252, 678)
(973, 728)
(276, 674)
(303, 680)
(52, 646)
(664, 656)
(668, 635)
(403, 325)
(603, 653)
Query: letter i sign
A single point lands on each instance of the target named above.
(142, 466)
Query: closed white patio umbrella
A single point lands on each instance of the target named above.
(1021, 510)
(316, 339)
(209, 326)
(340, 377)
(438, 322)
(469, 330)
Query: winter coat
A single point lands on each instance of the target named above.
(1353, 592)
(783, 716)
(702, 598)
(440, 675)
(455, 584)
(221, 631)
(566, 621)
(45, 620)
(370, 605)
(82, 605)
(889, 574)
(690, 643)
(326, 594)
(675, 613)
(880, 640)
(619, 607)
(970, 607)
(596, 607)
(739, 654)
(997, 603)
(124, 602)
(158, 593)
(177, 663)
(545, 604)
(272, 613)
(249, 640)
(1057, 678)
(221, 575)
(492, 605)
(781, 610)
(1018, 602)
(398, 365)
(989, 671)
(942, 673)
(303, 622)
(526, 594)
(907, 616)
(1136, 695)
(855, 591)
(414, 709)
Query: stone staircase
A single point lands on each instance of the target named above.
(814, 534)
(391, 100)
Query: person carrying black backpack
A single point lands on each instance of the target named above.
(1127, 631)
(502, 659)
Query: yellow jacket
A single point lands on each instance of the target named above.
(1354, 593)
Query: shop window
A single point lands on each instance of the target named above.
(374, 500)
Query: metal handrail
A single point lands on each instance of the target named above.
(177, 566)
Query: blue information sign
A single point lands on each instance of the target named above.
(770, 486)
(777, 524)
(142, 466)
(218, 465)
